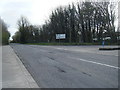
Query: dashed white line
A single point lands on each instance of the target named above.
(84, 51)
(107, 65)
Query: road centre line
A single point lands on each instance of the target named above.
(107, 65)
(84, 52)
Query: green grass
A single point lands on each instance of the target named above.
(71, 44)
(68, 44)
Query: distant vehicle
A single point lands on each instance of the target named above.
(107, 38)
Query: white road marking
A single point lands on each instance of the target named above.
(84, 51)
(59, 48)
(107, 65)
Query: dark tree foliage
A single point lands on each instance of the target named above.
(5, 33)
(87, 22)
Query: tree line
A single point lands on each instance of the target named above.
(5, 33)
(84, 22)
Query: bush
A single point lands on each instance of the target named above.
(5, 37)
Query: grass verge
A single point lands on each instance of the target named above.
(68, 44)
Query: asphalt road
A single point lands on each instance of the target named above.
(70, 66)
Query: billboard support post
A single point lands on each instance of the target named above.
(60, 36)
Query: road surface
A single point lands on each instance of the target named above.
(70, 66)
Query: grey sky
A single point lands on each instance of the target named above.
(37, 11)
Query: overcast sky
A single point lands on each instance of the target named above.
(37, 11)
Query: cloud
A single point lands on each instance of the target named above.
(37, 11)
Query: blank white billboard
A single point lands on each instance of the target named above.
(60, 36)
